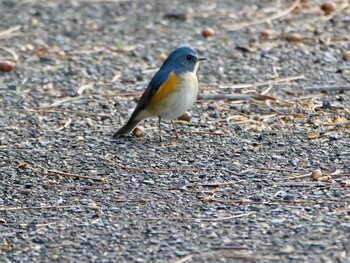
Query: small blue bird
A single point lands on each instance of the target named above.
(171, 92)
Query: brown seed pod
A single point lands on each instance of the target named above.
(7, 65)
(293, 37)
(187, 116)
(139, 131)
(291, 92)
(316, 174)
(346, 55)
(264, 34)
(208, 32)
(328, 7)
(304, 3)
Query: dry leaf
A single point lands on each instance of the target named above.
(117, 75)
(312, 134)
(299, 115)
(345, 183)
(93, 205)
(339, 120)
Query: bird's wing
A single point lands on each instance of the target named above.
(153, 87)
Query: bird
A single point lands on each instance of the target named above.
(171, 92)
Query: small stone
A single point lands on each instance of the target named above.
(89, 122)
(181, 253)
(289, 197)
(148, 182)
(287, 249)
(214, 114)
(128, 78)
(333, 136)
(12, 87)
(84, 201)
(213, 106)
(326, 105)
(254, 208)
(45, 60)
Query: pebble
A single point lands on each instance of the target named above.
(333, 136)
(149, 182)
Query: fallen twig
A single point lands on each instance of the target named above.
(217, 133)
(69, 99)
(297, 184)
(59, 173)
(63, 126)
(279, 14)
(124, 200)
(228, 247)
(221, 218)
(327, 88)
(257, 84)
(251, 257)
(149, 169)
(206, 219)
(247, 201)
(293, 177)
(9, 31)
(11, 52)
(212, 184)
(184, 259)
(333, 175)
(45, 110)
(279, 170)
(208, 96)
(36, 207)
(83, 187)
(104, 1)
(104, 180)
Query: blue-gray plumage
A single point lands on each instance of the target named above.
(171, 92)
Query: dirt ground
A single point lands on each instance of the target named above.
(235, 188)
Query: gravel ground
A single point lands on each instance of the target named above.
(236, 187)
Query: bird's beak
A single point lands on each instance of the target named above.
(201, 59)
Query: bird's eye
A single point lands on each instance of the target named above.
(189, 57)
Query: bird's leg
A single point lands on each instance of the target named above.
(175, 130)
(160, 129)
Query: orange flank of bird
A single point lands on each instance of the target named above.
(165, 89)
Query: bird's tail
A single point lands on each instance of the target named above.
(128, 127)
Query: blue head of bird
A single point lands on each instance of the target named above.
(183, 59)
